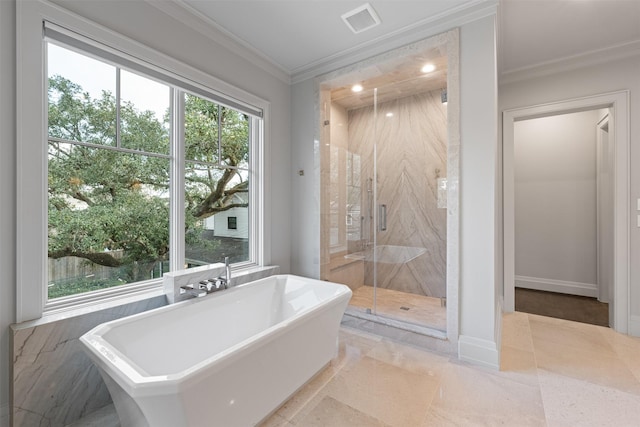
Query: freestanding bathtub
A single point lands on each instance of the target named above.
(227, 359)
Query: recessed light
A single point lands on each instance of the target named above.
(428, 68)
(356, 88)
(389, 114)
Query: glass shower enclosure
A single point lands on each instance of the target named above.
(383, 155)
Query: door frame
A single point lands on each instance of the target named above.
(604, 285)
(619, 103)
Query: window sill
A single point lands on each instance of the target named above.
(92, 307)
(147, 293)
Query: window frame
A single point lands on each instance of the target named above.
(232, 222)
(32, 160)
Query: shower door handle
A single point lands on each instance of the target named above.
(382, 217)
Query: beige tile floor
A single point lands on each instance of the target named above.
(423, 310)
(554, 373)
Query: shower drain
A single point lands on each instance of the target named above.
(404, 308)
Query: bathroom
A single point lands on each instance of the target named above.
(47, 379)
(290, 239)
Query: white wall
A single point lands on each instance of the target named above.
(555, 200)
(146, 24)
(479, 205)
(7, 194)
(598, 79)
(305, 207)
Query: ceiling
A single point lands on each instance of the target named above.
(544, 31)
(297, 35)
(393, 79)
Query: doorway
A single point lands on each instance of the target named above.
(618, 156)
(557, 202)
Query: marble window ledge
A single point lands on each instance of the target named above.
(134, 297)
(91, 307)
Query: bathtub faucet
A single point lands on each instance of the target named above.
(225, 281)
(194, 291)
(208, 286)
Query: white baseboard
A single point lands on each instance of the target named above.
(4, 415)
(634, 326)
(479, 351)
(560, 286)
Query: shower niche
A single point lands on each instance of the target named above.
(388, 151)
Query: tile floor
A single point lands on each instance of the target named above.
(423, 310)
(554, 373)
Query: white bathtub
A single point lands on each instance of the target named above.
(227, 359)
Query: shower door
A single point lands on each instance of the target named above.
(405, 199)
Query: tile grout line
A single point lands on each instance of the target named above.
(438, 390)
(535, 362)
(621, 357)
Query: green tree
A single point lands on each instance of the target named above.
(112, 208)
(201, 128)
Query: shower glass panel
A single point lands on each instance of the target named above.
(409, 271)
(383, 197)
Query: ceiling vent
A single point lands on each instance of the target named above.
(361, 18)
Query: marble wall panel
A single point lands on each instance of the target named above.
(348, 272)
(411, 157)
(53, 382)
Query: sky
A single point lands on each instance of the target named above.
(95, 76)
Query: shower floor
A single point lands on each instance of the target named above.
(422, 310)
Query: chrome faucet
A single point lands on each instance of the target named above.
(190, 290)
(226, 280)
(208, 286)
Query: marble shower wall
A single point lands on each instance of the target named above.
(412, 160)
(54, 383)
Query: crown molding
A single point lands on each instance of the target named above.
(425, 28)
(573, 62)
(206, 26)
(457, 16)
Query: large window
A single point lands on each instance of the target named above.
(139, 167)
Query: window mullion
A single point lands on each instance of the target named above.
(118, 107)
(256, 192)
(219, 135)
(176, 217)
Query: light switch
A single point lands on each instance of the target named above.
(638, 207)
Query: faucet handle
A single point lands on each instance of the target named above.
(193, 291)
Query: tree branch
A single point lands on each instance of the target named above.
(100, 258)
(79, 196)
(215, 210)
(213, 201)
(243, 187)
